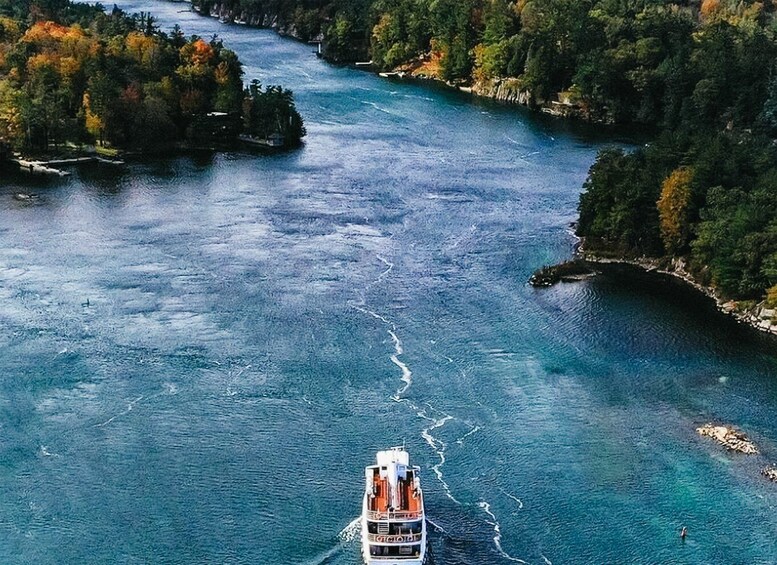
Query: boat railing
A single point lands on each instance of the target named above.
(399, 538)
(401, 515)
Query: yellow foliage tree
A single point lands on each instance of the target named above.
(673, 208)
(142, 48)
(771, 297)
(9, 29)
(46, 34)
(94, 123)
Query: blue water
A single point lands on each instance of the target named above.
(258, 326)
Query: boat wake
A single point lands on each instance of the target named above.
(378, 108)
(474, 429)
(436, 420)
(351, 531)
(497, 532)
(438, 528)
(130, 405)
(512, 497)
(345, 537)
(407, 374)
(169, 389)
(438, 446)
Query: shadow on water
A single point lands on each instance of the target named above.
(618, 134)
(677, 296)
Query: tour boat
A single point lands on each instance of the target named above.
(393, 525)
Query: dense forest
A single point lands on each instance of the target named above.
(72, 73)
(708, 198)
(655, 62)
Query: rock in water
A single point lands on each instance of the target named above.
(568, 271)
(770, 473)
(729, 437)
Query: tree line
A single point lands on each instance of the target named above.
(644, 61)
(75, 73)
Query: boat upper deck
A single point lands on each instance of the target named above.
(393, 493)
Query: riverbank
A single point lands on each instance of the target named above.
(756, 315)
(52, 164)
(504, 90)
(583, 266)
(228, 15)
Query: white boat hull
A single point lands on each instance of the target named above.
(384, 560)
(393, 524)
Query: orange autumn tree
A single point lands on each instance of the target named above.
(112, 80)
(673, 209)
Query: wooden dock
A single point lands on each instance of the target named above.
(49, 167)
(38, 168)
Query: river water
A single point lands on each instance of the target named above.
(200, 355)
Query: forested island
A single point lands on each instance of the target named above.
(73, 75)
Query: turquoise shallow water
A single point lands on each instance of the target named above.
(251, 321)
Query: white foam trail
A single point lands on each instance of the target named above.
(546, 560)
(436, 526)
(346, 536)
(170, 389)
(373, 314)
(469, 433)
(439, 447)
(351, 531)
(515, 498)
(407, 378)
(130, 406)
(389, 268)
(407, 374)
(497, 533)
(378, 108)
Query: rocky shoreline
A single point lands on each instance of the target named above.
(226, 14)
(569, 271)
(758, 316)
(505, 90)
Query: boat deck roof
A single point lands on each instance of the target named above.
(407, 501)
